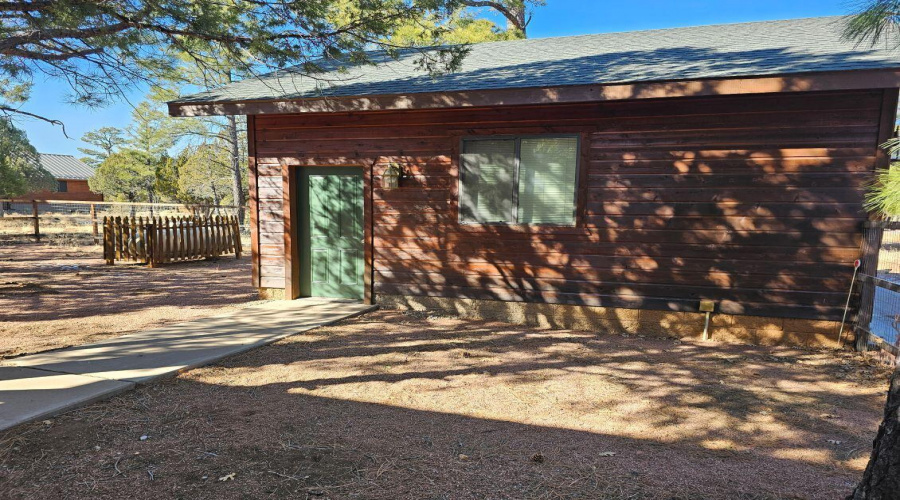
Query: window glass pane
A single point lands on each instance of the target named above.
(547, 171)
(488, 180)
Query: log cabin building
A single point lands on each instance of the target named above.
(608, 182)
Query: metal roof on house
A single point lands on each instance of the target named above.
(719, 51)
(65, 167)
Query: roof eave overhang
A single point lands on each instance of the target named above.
(800, 82)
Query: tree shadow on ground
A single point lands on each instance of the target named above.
(74, 283)
(392, 406)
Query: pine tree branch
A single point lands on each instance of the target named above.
(6, 110)
(24, 6)
(40, 56)
(61, 33)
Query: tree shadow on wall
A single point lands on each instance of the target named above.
(763, 216)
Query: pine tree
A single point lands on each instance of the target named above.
(102, 49)
(20, 167)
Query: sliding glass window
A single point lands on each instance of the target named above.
(520, 180)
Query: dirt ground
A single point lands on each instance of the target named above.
(397, 406)
(54, 296)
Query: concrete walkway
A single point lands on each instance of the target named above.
(40, 385)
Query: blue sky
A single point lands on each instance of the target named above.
(557, 18)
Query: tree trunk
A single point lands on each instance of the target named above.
(217, 200)
(881, 480)
(518, 19)
(237, 186)
(515, 12)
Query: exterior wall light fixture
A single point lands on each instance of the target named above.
(391, 177)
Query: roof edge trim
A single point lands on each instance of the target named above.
(808, 82)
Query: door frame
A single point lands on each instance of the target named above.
(293, 223)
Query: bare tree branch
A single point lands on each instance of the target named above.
(515, 14)
(6, 110)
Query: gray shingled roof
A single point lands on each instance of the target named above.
(727, 50)
(65, 166)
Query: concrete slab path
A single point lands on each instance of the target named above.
(40, 385)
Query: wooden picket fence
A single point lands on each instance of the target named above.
(159, 240)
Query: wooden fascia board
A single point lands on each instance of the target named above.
(844, 80)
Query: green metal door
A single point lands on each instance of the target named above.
(331, 209)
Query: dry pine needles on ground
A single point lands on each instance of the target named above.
(390, 406)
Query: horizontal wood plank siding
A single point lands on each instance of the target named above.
(270, 230)
(752, 201)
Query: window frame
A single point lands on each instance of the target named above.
(62, 186)
(516, 161)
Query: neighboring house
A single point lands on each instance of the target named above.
(71, 176)
(607, 181)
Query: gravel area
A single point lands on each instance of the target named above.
(399, 406)
(54, 296)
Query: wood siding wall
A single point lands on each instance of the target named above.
(752, 201)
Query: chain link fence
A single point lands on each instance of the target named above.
(82, 221)
(886, 318)
(879, 312)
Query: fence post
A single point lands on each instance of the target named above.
(236, 234)
(150, 245)
(37, 223)
(216, 235)
(182, 238)
(166, 254)
(109, 252)
(872, 235)
(141, 240)
(117, 237)
(126, 238)
(94, 224)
